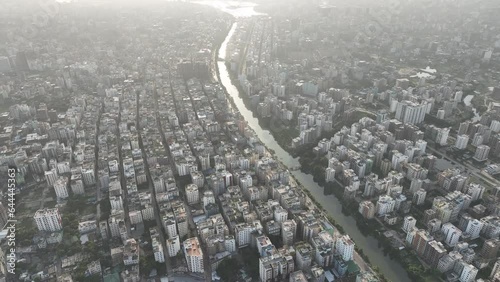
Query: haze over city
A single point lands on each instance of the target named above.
(265, 140)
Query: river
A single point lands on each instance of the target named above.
(391, 268)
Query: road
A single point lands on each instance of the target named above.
(123, 180)
(473, 170)
(361, 263)
(96, 166)
(152, 192)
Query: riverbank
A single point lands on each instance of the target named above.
(310, 196)
(312, 166)
(315, 167)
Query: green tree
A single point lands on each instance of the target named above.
(228, 269)
(146, 264)
(25, 231)
(91, 249)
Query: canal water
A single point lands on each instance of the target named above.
(391, 268)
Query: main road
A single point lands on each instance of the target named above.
(392, 269)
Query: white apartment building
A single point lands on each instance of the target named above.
(208, 198)
(330, 174)
(194, 255)
(61, 188)
(170, 225)
(468, 273)
(147, 212)
(51, 176)
(452, 234)
(411, 112)
(135, 217)
(88, 177)
(173, 246)
(48, 220)
(192, 194)
(63, 167)
(409, 223)
(243, 233)
(482, 153)
(116, 203)
(344, 246)
(462, 141)
(280, 214)
(77, 184)
(230, 243)
(474, 228)
(385, 205)
(157, 247)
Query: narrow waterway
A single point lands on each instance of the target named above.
(391, 268)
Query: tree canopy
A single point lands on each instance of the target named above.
(228, 269)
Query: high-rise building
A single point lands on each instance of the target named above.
(169, 224)
(382, 116)
(452, 234)
(447, 262)
(288, 232)
(490, 248)
(274, 266)
(476, 191)
(462, 141)
(264, 246)
(344, 246)
(48, 220)
(243, 233)
(491, 226)
(51, 176)
(420, 241)
(181, 219)
(329, 174)
(495, 126)
(433, 225)
(367, 209)
(434, 252)
(468, 274)
(192, 194)
(324, 249)
(442, 136)
(197, 178)
(88, 177)
(482, 152)
(474, 228)
(280, 214)
(304, 255)
(496, 269)
(411, 112)
(194, 255)
(464, 128)
(419, 197)
(77, 184)
(60, 187)
(173, 246)
(157, 245)
(385, 205)
(230, 243)
(409, 223)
